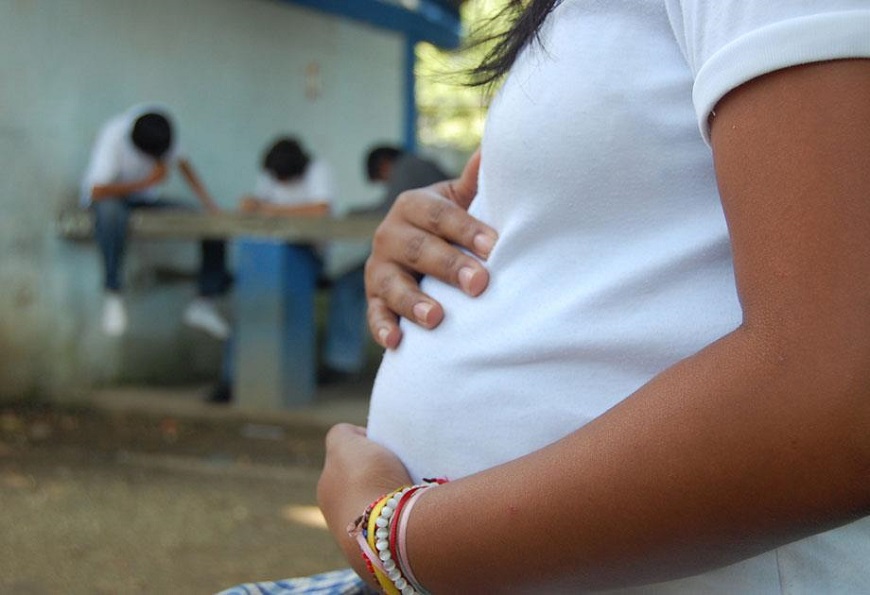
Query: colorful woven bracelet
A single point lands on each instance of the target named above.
(386, 537)
(359, 530)
(380, 534)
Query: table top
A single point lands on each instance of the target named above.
(77, 224)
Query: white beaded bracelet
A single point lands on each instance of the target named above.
(392, 522)
(384, 524)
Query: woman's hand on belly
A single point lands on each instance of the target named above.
(357, 471)
(423, 235)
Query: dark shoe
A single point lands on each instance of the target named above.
(327, 375)
(222, 394)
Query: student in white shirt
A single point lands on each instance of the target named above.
(293, 184)
(133, 155)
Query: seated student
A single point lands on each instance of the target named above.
(400, 171)
(132, 156)
(292, 184)
(345, 261)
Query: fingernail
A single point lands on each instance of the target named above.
(483, 244)
(382, 335)
(466, 276)
(421, 311)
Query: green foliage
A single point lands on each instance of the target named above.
(451, 113)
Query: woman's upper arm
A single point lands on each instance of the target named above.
(792, 158)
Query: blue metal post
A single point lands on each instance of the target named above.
(410, 125)
(275, 342)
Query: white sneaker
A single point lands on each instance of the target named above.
(202, 314)
(114, 315)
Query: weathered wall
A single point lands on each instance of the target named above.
(236, 73)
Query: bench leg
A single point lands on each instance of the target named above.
(275, 333)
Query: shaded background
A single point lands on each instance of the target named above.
(115, 476)
(235, 73)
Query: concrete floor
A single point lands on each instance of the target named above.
(153, 491)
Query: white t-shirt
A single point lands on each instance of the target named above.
(315, 185)
(115, 159)
(613, 260)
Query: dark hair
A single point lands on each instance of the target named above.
(525, 18)
(286, 159)
(379, 155)
(152, 134)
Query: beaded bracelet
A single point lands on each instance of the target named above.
(385, 565)
(365, 535)
(358, 529)
(387, 542)
(380, 533)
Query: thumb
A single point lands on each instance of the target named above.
(341, 433)
(464, 189)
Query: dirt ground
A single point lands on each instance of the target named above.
(98, 501)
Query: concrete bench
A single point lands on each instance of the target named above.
(276, 277)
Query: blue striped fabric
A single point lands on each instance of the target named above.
(338, 582)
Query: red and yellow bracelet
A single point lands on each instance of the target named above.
(380, 534)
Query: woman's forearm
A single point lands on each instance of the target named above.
(731, 452)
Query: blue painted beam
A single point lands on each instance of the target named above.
(410, 102)
(431, 21)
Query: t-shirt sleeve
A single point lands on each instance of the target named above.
(729, 42)
(320, 183)
(264, 188)
(175, 154)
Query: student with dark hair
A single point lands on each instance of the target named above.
(131, 158)
(286, 159)
(345, 261)
(152, 134)
(291, 183)
(376, 158)
(400, 171)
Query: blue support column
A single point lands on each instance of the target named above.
(275, 332)
(430, 21)
(410, 126)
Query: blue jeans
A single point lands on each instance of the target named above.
(345, 342)
(111, 220)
